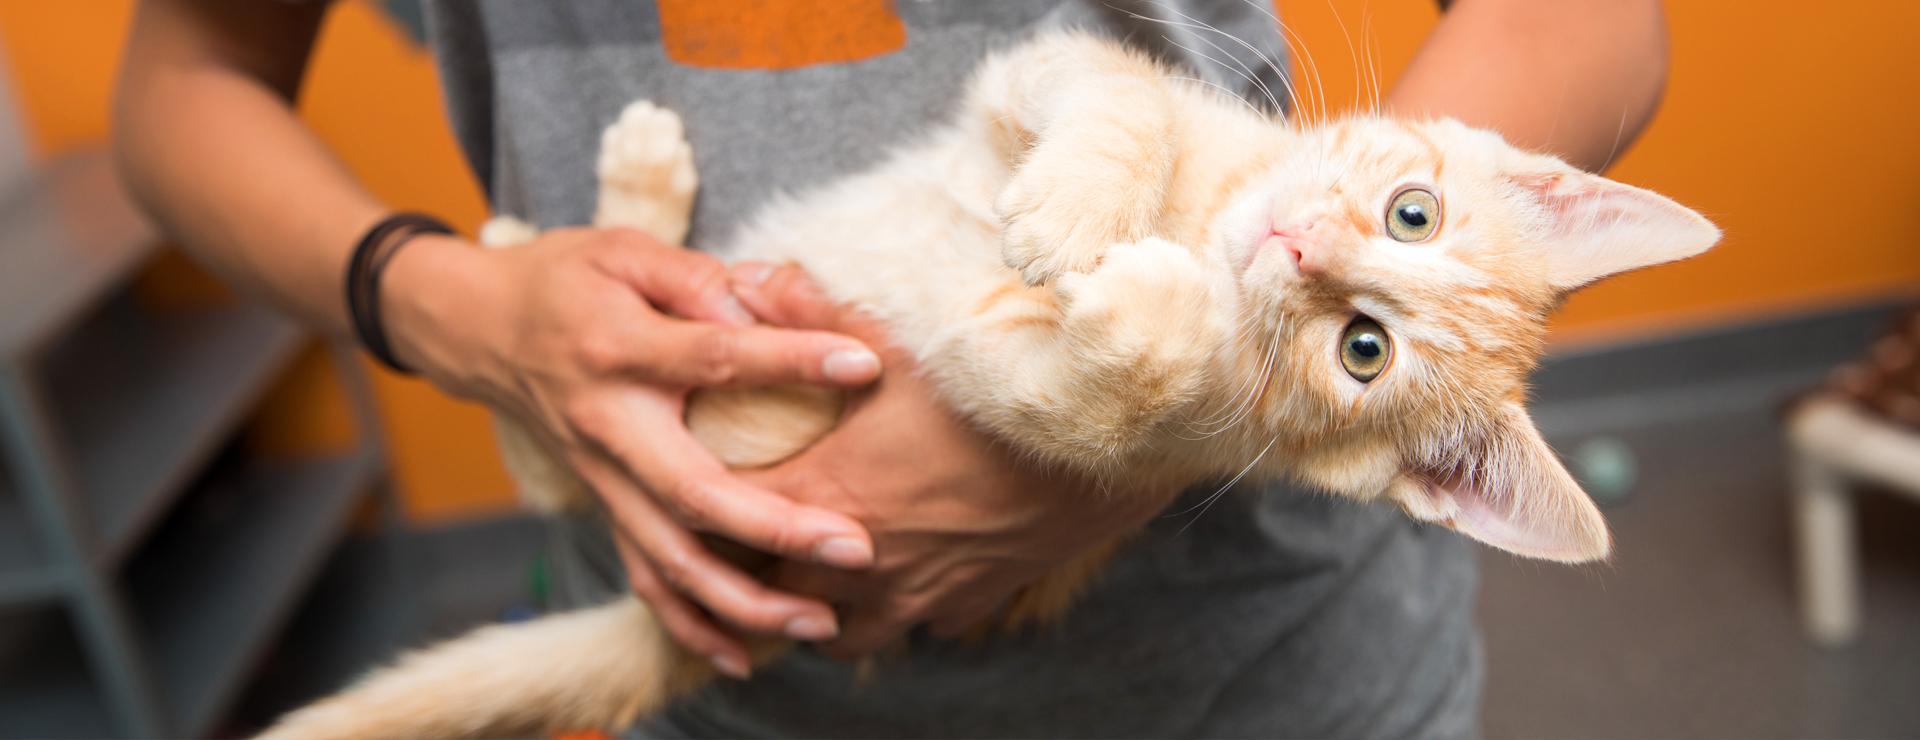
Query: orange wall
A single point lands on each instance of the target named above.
(1790, 123)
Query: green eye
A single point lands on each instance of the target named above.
(1365, 349)
(1413, 215)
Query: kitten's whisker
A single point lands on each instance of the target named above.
(1208, 503)
(1191, 22)
(1243, 75)
(1309, 65)
(1240, 410)
(1618, 133)
(1272, 65)
(1373, 61)
(1247, 389)
(1253, 395)
(1559, 105)
(1353, 54)
(1364, 81)
(1298, 50)
(1260, 388)
(1250, 76)
(1239, 338)
(1193, 430)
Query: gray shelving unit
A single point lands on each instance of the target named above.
(146, 561)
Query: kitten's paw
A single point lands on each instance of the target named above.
(1061, 218)
(1043, 240)
(1145, 332)
(647, 151)
(647, 179)
(1150, 299)
(501, 232)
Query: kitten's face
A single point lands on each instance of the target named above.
(1405, 271)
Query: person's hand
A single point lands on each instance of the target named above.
(576, 335)
(959, 522)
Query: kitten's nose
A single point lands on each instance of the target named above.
(1299, 240)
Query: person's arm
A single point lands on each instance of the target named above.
(576, 333)
(207, 141)
(1577, 78)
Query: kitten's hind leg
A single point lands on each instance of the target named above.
(647, 182)
(647, 179)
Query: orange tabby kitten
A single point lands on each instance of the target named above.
(1131, 276)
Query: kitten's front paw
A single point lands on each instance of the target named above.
(1059, 218)
(647, 179)
(1144, 331)
(1041, 240)
(1151, 300)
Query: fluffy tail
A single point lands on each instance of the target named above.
(600, 668)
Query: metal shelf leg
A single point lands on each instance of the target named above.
(53, 499)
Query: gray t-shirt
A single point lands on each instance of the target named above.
(1274, 613)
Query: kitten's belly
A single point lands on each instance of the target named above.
(913, 242)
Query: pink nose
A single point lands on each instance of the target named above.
(1298, 239)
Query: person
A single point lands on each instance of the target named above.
(1274, 614)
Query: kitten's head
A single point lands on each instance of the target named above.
(1405, 272)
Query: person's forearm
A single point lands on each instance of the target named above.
(207, 139)
(1576, 78)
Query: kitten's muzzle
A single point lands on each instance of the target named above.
(1299, 243)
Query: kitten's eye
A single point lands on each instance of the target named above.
(1413, 215)
(1365, 349)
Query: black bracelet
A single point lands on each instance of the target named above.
(369, 260)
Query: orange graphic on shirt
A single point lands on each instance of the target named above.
(777, 34)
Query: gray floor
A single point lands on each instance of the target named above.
(1691, 631)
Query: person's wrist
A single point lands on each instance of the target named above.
(435, 294)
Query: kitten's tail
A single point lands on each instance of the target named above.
(599, 668)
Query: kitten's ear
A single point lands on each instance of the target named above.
(1516, 496)
(1595, 227)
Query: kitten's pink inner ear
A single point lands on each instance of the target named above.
(1596, 227)
(1563, 531)
(1520, 499)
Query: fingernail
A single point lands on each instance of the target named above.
(851, 366)
(731, 666)
(812, 628)
(736, 312)
(844, 552)
(752, 273)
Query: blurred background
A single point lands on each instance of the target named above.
(150, 418)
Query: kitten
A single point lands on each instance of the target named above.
(1131, 276)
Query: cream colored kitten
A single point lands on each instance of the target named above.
(1133, 277)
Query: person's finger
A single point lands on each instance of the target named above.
(684, 564)
(644, 434)
(681, 281)
(684, 621)
(692, 354)
(784, 295)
